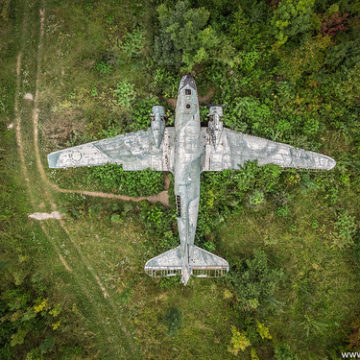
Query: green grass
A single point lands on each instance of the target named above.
(320, 281)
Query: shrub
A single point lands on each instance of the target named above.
(256, 198)
(124, 94)
(247, 112)
(253, 281)
(169, 282)
(283, 352)
(184, 38)
(132, 183)
(263, 331)
(283, 211)
(140, 116)
(293, 17)
(133, 43)
(103, 67)
(239, 341)
(166, 81)
(345, 229)
(151, 214)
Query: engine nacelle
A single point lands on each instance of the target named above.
(158, 123)
(215, 125)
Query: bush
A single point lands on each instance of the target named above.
(256, 198)
(293, 18)
(345, 229)
(253, 282)
(283, 352)
(133, 43)
(124, 94)
(103, 67)
(140, 116)
(132, 183)
(184, 37)
(239, 341)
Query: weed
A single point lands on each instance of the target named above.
(345, 229)
(124, 94)
(103, 67)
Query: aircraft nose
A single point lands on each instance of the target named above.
(187, 80)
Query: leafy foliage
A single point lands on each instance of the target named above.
(141, 113)
(345, 229)
(103, 67)
(293, 18)
(263, 331)
(124, 94)
(113, 177)
(253, 282)
(238, 341)
(133, 43)
(283, 352)
(256, 198)
(184, 36)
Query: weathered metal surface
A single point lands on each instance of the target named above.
(134, 151)
(186, 150)
(235, 149)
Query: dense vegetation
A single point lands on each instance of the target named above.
(286, 70)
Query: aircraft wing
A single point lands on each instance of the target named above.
(236, 148)
(134, 151)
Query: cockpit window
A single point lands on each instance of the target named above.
(187, 92)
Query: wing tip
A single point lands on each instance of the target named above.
(331, 163)
(52, 159)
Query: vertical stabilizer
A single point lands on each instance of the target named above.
(185, 275)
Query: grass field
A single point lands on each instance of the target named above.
(90, 71)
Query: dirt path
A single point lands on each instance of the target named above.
(19, 139)
(46, 216)
(162, 197)
(113, 326)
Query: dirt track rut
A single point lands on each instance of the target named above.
(87, 282)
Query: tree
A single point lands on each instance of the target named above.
(292, 18)
(184, 37)
(254, 282)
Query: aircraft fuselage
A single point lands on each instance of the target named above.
(187, 168)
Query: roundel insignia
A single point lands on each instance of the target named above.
(76, 156)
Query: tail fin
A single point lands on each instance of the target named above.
(168, 263)
(202, 264)
(205, 264)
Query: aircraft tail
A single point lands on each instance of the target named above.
(168, 263)
(202, 264)
(205, 264)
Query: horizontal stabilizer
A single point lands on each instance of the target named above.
(168, 263)
(202, 263)
(206, 264)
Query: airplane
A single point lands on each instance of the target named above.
(186, 150)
